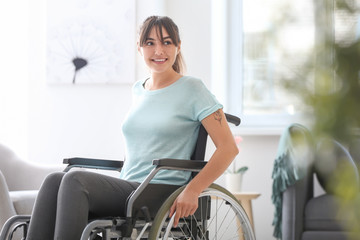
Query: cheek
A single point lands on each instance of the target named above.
(145, 54)
(144, 51)
(175, 53)
(171, 51)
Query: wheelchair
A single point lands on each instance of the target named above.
(219, 214)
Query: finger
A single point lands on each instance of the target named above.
(176, 218)
(172, 209)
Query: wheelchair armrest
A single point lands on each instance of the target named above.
(179, 164)
(93, 163)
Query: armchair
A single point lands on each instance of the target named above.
(19, 183)
(303, 214)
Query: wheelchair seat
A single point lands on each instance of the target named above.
(219, 215)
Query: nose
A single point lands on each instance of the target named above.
(159, 50)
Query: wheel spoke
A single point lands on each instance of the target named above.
(219, 216)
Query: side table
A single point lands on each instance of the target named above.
(245, 200)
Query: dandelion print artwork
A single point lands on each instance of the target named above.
(85, 45)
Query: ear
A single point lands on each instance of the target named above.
(179, 48)
(139, 49)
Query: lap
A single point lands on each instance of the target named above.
(106, 195)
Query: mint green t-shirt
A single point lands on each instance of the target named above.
(164, 123)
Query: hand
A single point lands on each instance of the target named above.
(184, 205)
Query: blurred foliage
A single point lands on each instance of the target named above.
(335, 103)
(329, 85)
(329, 82)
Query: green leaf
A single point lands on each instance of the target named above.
(242, 169)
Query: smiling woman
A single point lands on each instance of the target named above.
(160, 53)
(165, 105)
(159, 44)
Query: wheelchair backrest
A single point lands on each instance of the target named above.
(199, 151)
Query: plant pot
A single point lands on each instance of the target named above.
(234, 181)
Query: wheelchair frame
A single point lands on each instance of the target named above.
(122, 228)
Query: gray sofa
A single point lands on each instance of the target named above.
(321, 204)
(19, 183)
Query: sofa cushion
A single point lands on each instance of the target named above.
(335, 169)
(325, 235)
(23, 201)
(322, 214)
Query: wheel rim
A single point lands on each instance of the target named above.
(226, 220)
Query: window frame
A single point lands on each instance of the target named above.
(227, 76)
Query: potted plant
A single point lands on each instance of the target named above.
(234, 174)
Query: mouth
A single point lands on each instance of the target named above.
(159, 60)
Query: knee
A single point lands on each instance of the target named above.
(74, 181)
(53, 179)
(74, 178)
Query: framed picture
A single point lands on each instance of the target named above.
(91, 41)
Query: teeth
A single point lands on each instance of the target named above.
(159, 60)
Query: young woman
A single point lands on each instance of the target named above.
(163, 122)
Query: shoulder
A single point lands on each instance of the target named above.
(138, 86)
(193, 83)
(139, 83)
(197, 92)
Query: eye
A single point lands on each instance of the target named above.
(167, 42)
(149, 43)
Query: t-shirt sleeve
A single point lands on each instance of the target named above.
(205, 103)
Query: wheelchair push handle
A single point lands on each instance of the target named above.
(233, 119)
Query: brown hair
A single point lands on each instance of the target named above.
(159, 22)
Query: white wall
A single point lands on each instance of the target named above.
(53, 122)
(85, 120)
(196, 41)
(14, 74)
(258, 152)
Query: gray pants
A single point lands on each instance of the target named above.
(66, 201)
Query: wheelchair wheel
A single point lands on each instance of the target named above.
(219, 216)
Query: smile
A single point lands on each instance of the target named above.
(159, 60)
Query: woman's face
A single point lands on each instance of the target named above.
(159, 55)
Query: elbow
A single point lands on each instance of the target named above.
(236, 151)
(233, 150)
(228, 149)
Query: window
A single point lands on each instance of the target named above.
(256, 50)
(278, 38)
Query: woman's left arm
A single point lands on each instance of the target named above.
(226, 150)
